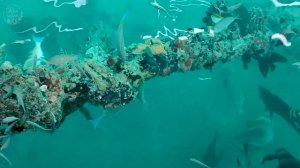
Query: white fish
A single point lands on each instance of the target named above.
(223, 24)
(37, 56)
(37, 50)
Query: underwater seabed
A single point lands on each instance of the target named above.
(176, 123)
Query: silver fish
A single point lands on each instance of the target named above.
(223, 24)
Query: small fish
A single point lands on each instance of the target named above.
(293, 11)
(88, 116)
(21, 41)
(9, 128)
(62, 59)
(9, 119)
(297, 64)
(2, 46)
(5, 144)
(238, 162)
(204, 79)
(234, 7)
(141, 95)
(37, 51)
(242, 165)
(223, 24)
(6, 160)
(199, 162)
(216, 18)
(121, 43)
(211, 158)
(37, 56)
(159, 8)
(37, 126)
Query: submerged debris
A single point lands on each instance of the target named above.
(43, 97)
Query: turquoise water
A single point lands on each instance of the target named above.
(181, 113)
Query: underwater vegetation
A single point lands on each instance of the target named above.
(42, 92)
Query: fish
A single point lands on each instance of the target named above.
(234, 7)
(20, 41)
(199, 163)
(241, 164)
(258, 133)
(266, 62)
(4, 161)
(62, 59)
(141, 95)
(216, 18)
(2, 46)
(274, 104)
(293, 11)
(211, 158)
(159, 8)
(223, 24)
(121, 43)
(37, 56)
(88, 116)
(285, 159)
(37, 51)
